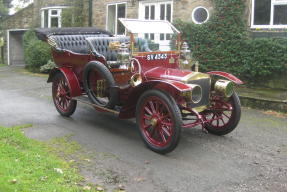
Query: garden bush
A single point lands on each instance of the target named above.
(48, 67)
(223, 44)
(36, 52)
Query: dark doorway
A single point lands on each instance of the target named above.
(15, 48)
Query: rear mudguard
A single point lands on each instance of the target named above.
(73, 83)
(173, 88)
(227, 76)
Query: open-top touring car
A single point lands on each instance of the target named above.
(122, 75)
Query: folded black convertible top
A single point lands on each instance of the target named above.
(43, 33)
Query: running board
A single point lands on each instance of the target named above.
(85, 99)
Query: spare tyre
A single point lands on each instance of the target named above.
(99, 85)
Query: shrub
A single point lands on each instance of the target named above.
(48, 67)
(262, 59)
(36, 52)
(223, 44)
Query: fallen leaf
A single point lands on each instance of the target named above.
(58, 170)
(139, 179)
(88, 160)
(43, 178)
(121, 187)
(13, 181)
(87, 188)
(146, 162)
(100, 189)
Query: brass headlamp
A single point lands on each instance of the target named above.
(185, 54)
(223, 88)
(123, 56)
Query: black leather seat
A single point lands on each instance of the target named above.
(74, 43)
(100, 46)
(99, 43)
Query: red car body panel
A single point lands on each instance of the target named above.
(166, 73)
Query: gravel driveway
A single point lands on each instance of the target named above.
(252, 158)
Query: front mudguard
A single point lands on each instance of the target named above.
(72, 80)
(227, 76)
(173, 88)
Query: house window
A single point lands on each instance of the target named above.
(200, 15)
(116, 11)
(161, 10)
(51, 17)
(149, 12)
(269, 14)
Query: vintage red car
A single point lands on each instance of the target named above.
(123, 76)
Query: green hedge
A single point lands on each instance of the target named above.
(223, 44)
(36, 52)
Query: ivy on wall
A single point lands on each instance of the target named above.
(223, 44)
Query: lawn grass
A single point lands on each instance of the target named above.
(2, 65)
(28, 165)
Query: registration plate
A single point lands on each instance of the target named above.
(159, 56)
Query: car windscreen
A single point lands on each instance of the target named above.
(160, 35)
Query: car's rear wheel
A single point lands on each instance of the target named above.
(159, 121)
(223, 115)
(64, 104)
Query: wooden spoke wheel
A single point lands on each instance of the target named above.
(64, 104)
(159, 121)
(223, 116)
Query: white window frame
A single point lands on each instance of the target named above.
(116, 21)
(193, 11)
(271, 25)
(142, 4)
(50, 16)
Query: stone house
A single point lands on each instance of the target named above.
(40, 13)
(259, 14)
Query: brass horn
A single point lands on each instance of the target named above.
(135, 80)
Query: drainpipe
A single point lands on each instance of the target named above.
(90, 13)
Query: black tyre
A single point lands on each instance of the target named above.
(159, 121)
(95, 72)
(64, 104)
(224, 116)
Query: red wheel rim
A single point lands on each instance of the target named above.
(221, 113)
(61, 94)
(156, 122)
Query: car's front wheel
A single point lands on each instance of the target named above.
(223, 115)
(159, 121)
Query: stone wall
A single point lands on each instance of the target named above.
(23, 19)
(100, 11)
(183, 9)
(39, 4)
(31, 16)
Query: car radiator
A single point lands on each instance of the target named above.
(205, 85)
